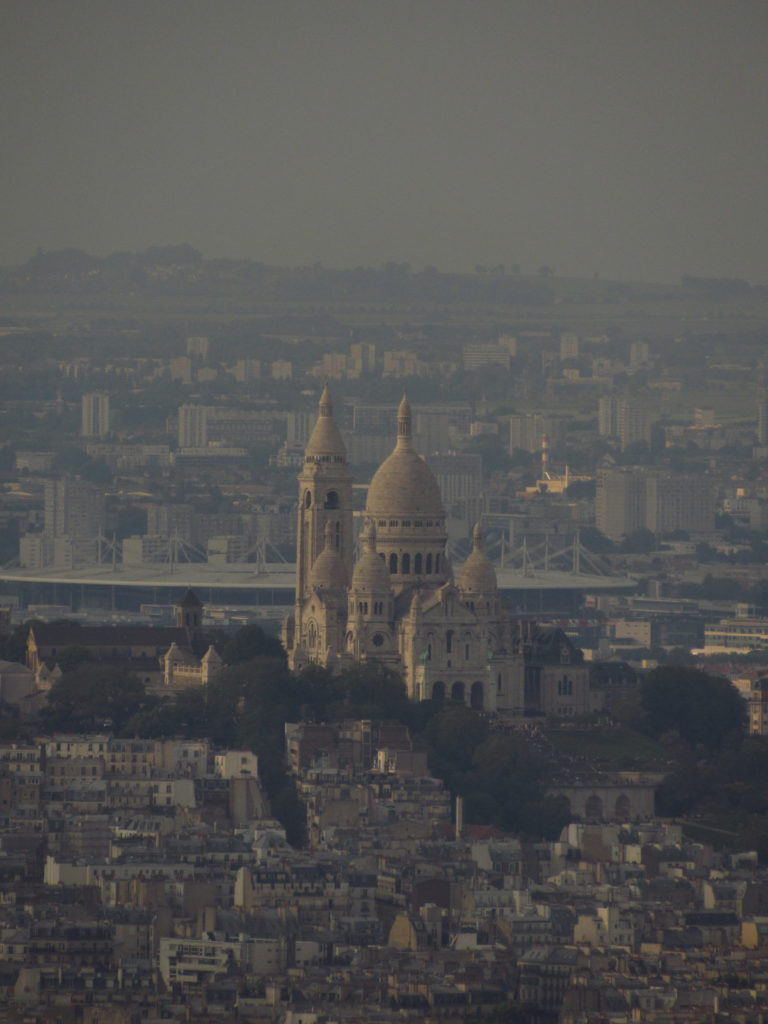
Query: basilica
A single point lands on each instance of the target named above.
(397, 602)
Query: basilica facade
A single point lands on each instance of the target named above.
(398, 602)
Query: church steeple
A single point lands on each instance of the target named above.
(325, 513)
(404, 423)
(325, 443)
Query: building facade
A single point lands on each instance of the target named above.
(94, 415)
(398, 604)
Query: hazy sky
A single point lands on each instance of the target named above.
(627, 137)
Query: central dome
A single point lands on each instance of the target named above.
(404, 485)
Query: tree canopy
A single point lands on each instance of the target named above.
(705, 710)
(93, 697)
(251, 642)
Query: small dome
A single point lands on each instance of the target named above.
(329, 571)
(404, 485)
(326, 439)
(477, 575)
(370, 572)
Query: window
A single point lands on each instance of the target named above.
(417, 564)
(448, 641)
(332, 499)
(429, 564)
(393, 564)
(406, 569)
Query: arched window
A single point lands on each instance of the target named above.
(429, 564)
(476, 696)
(332, 499)
(311, 634)
(308, 499)
(417, 564)
(406, 568)
(438, 691)
(448, 641)
(457, 691)
(393, 564)
(623, 808)
(593, 809)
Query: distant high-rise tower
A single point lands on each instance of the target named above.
(73, 508)
(198, 348)
(193, 426)
(762, 420)
(569, 346)
(625, 418)
(631, 498)
(639, 354)
(94, 409)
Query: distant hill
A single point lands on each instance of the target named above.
(182, 270)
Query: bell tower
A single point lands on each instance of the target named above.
(325, 496)
(325, 511)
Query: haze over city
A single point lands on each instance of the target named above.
(383, 512)
(624, 139)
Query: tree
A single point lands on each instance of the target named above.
(452, 737)
(511, 777)
(251, 642)
(13, 646)
(595, 541)
(186, 715)
(640, 542)
(73, 657)
(705, 710)
(94, 696)
(369, 690)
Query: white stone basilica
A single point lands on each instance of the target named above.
(398, 604)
